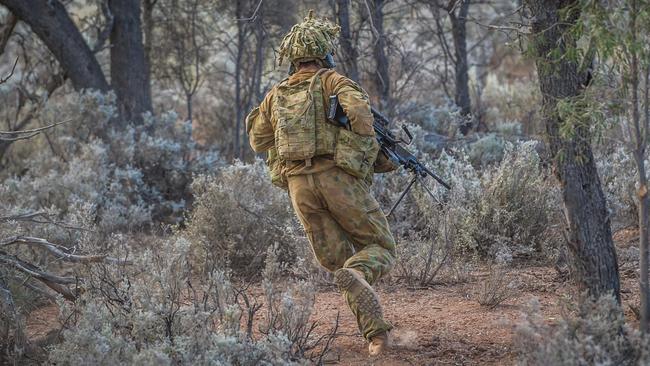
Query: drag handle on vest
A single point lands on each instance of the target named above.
(336, 115)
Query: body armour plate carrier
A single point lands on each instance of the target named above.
(302, 130)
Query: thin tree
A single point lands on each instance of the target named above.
(187, 37)
(620, 33)
(50, 21)
(457, 12)
(349, 55)
(562, 81)
(381, 76)
(129, 71)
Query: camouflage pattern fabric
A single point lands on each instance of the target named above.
(346, 229)
(344, 223)
(312, 39)
(261, 122)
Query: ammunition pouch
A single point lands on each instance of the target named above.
(355, 154)
(276, 169)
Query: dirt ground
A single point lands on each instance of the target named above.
(441, 325)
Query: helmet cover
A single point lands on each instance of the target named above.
(312, 39)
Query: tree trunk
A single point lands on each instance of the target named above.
(6, 30)
(129, 76)
(459, 34)
(381, 76)
(147, 23)
(239, 115)
(644, 212)
(640, 131)
(51, 23)
(349, 54)
(188, 101)
(589, 233)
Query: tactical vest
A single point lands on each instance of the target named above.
(301, 127)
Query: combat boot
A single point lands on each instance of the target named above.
(364, 303)
(379, 344)
(359, 292)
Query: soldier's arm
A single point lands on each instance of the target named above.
(355, 104)
(259, 127)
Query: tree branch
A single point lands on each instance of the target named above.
(60, 254)
(34, 271)
(27, 134)
(4, 80)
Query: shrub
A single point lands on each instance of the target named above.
(617, 172)
(597, 335)
(516, 208)
(443, 120)
(497, 287)
(156, 312)
(511, 206)
(487, 150)
(132, 175)
(238, 215)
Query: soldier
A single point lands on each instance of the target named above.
(327, 170)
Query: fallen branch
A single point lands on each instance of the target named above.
(60, 254)
(39, 217)
(54, 282)
(34, 271)
(27, 134)
(4, 80)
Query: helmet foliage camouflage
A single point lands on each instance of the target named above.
(313, 38)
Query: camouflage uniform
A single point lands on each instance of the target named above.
(343, 221)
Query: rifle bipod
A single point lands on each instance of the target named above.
(416, 178)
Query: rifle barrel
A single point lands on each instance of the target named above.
(436, 177)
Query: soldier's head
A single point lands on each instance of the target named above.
(310, 42)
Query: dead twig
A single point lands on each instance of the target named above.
(40, 217)
(57, 251)
(6, 78)
(34, 271)
(254, 16)
(27, 134)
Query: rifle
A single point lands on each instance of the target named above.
(391, 146)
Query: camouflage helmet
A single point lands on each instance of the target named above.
(312, 39)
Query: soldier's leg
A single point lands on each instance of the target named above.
(353, 207)
(329, 242)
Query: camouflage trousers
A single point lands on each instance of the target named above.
(346, 229)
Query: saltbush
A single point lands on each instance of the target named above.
(511, 205)
(130, 174)
(238, 215)
(617, 171)
(155, 311)
(516, 207)
(593, 334)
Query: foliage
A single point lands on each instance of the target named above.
(505, 209)
(130, 177)
(238, 215)
(596, 335)
(155, 312)
(487, 150)
(515, 208)
(497, 287)
(617, 173)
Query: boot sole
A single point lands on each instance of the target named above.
(366, 299)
